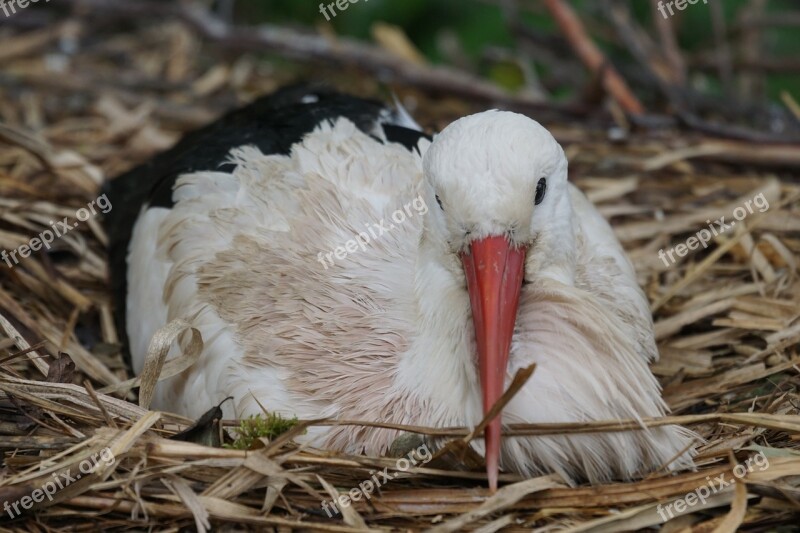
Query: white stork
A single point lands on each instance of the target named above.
(497, 262)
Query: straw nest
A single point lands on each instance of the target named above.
(726, 320)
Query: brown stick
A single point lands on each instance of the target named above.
(672, 52)
(592, 57)
(722, 52)
(340, 51)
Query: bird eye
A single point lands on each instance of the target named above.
(541, 188)
(439, 201)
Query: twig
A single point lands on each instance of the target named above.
(632, 36)
(672, 52)
(776, 422)
(679, 97)
(750, 49)
(592, 57)
(26, 351)
(341, 51)
(786, 19)
(723, 51)
(765, 65)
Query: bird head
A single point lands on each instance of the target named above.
(500, 182)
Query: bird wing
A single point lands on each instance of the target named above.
(237, 250)
(591, 342)
(272, 123)
(605, 271)
(314, 266)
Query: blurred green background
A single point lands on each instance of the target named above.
(474, 26)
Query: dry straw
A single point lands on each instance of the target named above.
(727, 321)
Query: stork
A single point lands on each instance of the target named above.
(497, 262)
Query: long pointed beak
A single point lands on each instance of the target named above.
(494, 271)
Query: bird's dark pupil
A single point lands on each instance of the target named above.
(439, 201)
(541, 187)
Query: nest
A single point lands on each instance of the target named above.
(726, 315)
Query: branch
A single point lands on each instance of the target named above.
(672, 52)
(592, 57)
(341, 51)
(679, 97)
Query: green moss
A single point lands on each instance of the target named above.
(256, 427)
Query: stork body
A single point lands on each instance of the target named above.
(255, 255)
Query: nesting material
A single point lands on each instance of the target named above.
(726, 312)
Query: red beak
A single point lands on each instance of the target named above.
(494, 271)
